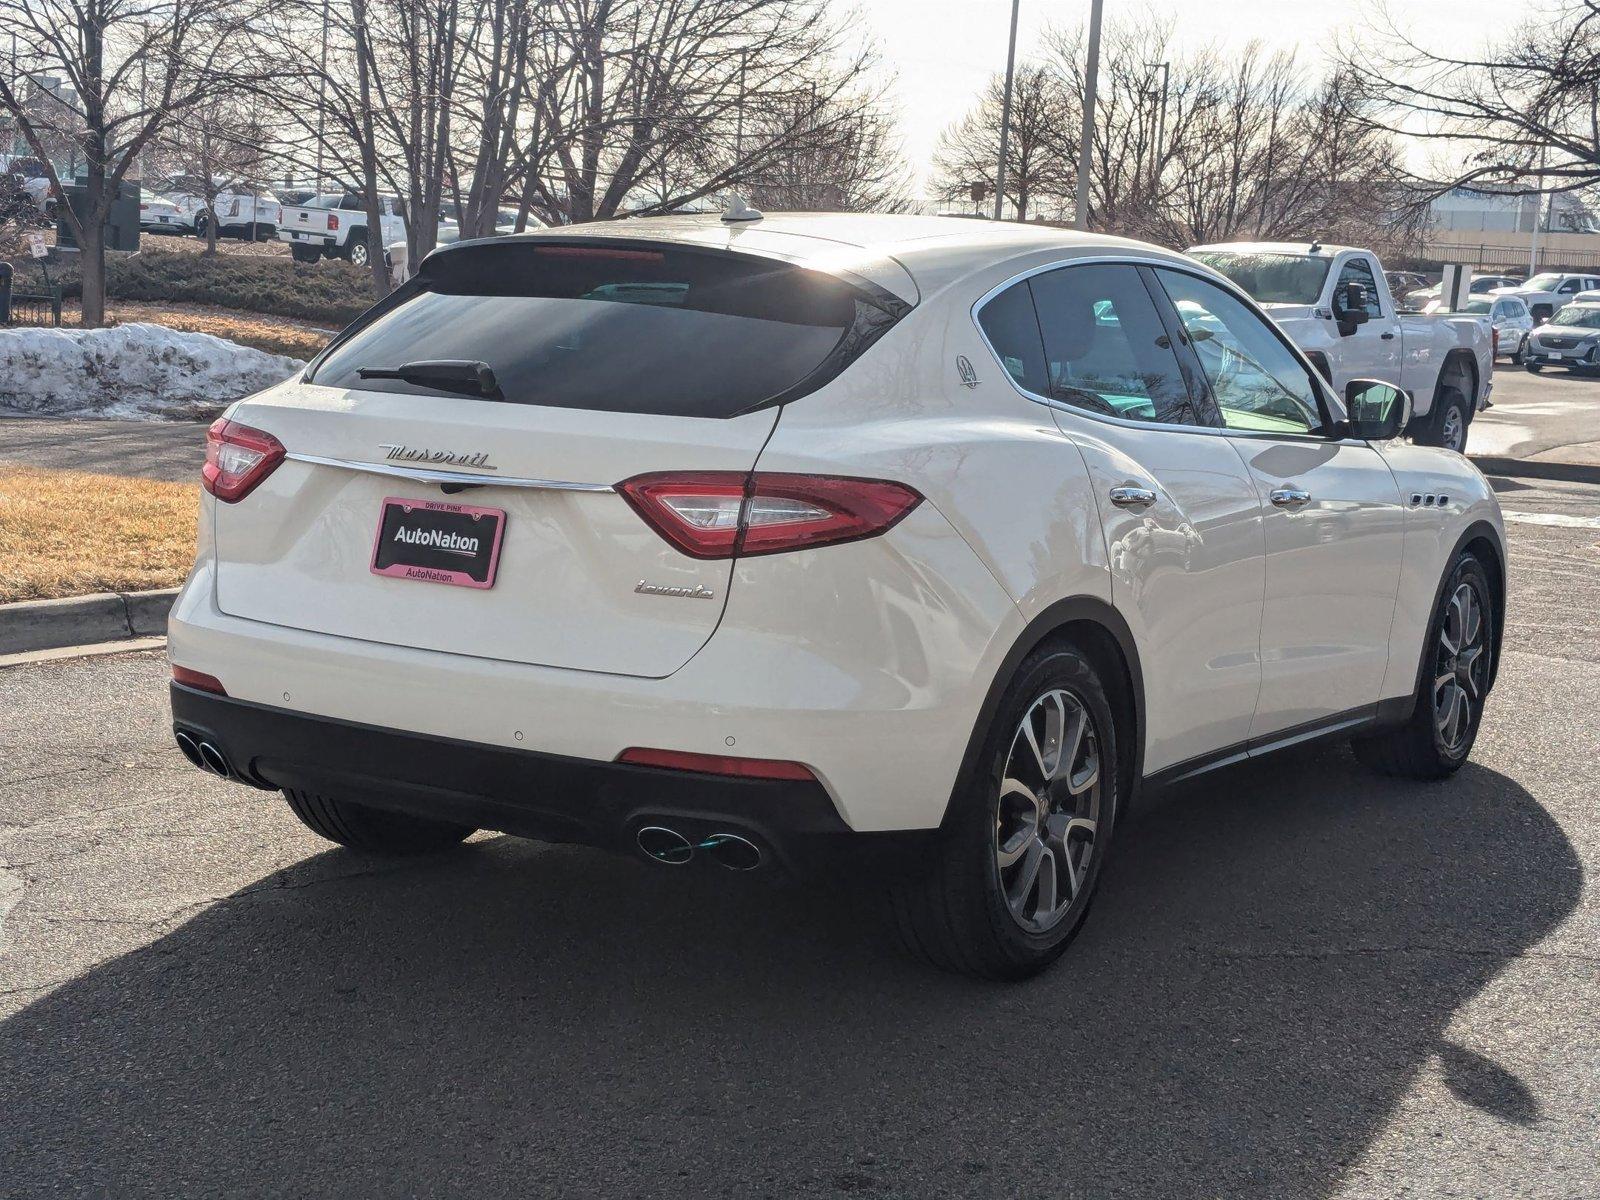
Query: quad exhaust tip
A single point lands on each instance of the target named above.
(203, 754)
(727, 850)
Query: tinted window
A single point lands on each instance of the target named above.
(1013, 331)
(1272, 278)
(620, 328)
(1258, 383)
(1568, 287)
(1359, 271)
(1106, 350)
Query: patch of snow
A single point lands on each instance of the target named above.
(139, 371)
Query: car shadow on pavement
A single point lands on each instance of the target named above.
(1275, 956)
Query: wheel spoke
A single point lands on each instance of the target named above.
(1071, 739)
(1471, 618)
(1021, 887)
(1045, 906)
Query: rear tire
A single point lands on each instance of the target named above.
(355, 249)
(373, 829)
(1532, 368)
(1046, 803)
(1431, 744)
(1446, 425)
(1516, 355)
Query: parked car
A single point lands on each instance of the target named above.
(34, 179)
(239, 211)
(1423, 299)
(890, 548)
(1402, 283)
(1508, 317)
(1334, 303)
(334, 225)
(158, 214)
(1569, 339)
(1545, 293)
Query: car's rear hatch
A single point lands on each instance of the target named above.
(607, 366)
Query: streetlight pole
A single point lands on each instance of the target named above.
(1091, 78)
(1005, 114)
(1538, 208)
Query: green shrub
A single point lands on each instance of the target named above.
(331, 292)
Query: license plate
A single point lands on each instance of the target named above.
(438, 542)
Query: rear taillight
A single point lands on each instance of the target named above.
(333, 222)
(720, 514)
(237, 459)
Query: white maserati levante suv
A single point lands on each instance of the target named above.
(898, 548)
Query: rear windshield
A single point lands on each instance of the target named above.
(621, 328)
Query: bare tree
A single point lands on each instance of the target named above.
(127, 66)
(1039, 168)
(1519, 116)
(220, 145)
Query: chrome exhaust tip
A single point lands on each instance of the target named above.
(214, 760)
(732, 851)
(190, 749)
(664, 845)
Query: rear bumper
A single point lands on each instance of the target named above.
(545, 796)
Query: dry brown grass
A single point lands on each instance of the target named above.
(67, 533)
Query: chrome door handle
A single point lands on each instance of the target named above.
(1132, 497)
(1288, 497)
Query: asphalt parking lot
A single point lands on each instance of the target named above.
(1300, 979)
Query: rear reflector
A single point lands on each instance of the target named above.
(721, 514)
(716, 764)
(198, 680)
(237, 459)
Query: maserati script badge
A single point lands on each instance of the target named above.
(452, 458)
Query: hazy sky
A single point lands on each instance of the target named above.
(943, 50)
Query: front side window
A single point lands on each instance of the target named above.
(1568, 287)
(1259, 385)
(1359, 271)
(617, 328)
(1106, 350)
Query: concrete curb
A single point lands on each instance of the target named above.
(82, 620)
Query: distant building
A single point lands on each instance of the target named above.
(1470, 210)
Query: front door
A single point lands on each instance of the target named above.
(1333, 517)
(1372, 351)
(1182, 521)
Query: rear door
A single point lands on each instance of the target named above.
(608, 363)
(1333, 520)
(1181, 518)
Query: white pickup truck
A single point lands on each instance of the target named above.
(1334, 303)
(334, 225)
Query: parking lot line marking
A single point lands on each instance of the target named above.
(1560, 520)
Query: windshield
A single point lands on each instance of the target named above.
(1543, 283)
(1584, 316)
(619, 328)
(1271, 278)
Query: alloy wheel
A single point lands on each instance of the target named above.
(1461, 670)
(1049, 811)
(358, 254)
(1452, 436)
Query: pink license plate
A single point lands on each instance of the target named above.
(438, 542)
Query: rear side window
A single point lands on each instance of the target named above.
(627, 328)
(1009, 323)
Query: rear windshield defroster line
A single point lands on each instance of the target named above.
(632, 328)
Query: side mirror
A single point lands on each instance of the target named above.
(1378, 411)
(1350, 304)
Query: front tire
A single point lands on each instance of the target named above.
(380, 831)
(1516, 355)
(1016, 866)
(1437, 738)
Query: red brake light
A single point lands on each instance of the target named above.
(197, 679)
(721, 514)
(333, 222)
(237, 459)
(716, 764)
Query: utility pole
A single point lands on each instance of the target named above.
(322, 95)
(1091, 79)
(1161, 127)
(1005, 115)
(1538, 208)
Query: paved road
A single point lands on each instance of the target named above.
(1300, 980)
(1550, 417)
(170, 450)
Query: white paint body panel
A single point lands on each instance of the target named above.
(869, 662)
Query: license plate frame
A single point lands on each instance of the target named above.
(397, 557)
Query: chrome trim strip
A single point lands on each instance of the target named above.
(428, 475)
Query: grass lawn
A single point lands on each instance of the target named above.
(68, 533)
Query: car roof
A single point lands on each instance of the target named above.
(910, 255)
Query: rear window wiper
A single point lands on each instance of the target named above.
(446, 374)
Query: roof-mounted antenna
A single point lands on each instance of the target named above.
(1316, 246)
(738, 210)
